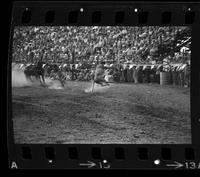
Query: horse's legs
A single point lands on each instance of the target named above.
(62, 83)
(31, 79)
(42, 82)
(93, 85)
(28, 78)
(43, 79)
(38, 78)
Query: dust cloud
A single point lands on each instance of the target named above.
(96, 88)
(53, 84)
(18, 77)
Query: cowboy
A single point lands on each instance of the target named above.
(99, 76)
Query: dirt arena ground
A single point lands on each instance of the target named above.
(121, 113)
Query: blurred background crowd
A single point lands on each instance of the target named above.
(80, 48)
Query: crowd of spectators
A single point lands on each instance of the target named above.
(89, 45)
(73, 44)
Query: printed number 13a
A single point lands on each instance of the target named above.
(191, 165)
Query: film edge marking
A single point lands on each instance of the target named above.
(89, 164)
(191, 165)
(14, 165)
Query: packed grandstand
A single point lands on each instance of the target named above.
(124, 49)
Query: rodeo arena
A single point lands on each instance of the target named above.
(101, 84)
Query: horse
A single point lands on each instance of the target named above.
(35, 70)
(55, 72)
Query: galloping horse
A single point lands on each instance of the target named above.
(35, 70)
(53, 71)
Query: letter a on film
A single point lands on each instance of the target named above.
(14, 165)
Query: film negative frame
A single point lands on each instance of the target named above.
(109, 156)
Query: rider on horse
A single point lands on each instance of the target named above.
(35, 70)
